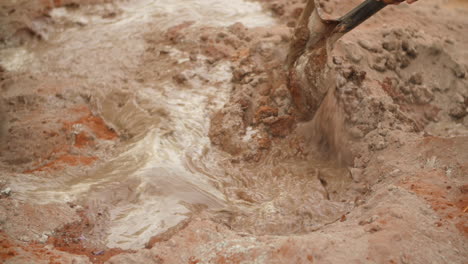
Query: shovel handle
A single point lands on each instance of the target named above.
(358, 15)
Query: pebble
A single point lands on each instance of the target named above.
(465, 121)
(416, 78)
(180, 78)
(337, 60)
(379, 145)
(458, 111)
(98, 253)
(373, 229)
(42, 238)
(356, 174)
(435, 49)
(380, 159)
(405, 89)
(383, 132)
(395, 172)
(370, 46)
(380, 64)
(368, 221)
(459, 71)
(423, 95)
(340, 81)
(391, 63)
(390, 45)
(24, 238)
(354, 57)
(459, 98)
(356, 133)
(6, 192)
(404, 61)
(449, 41)
(409, 49)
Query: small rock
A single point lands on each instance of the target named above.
(265, 111)
(337, 60)
(180, 78)
(409, 48)
(405, 89)
(109, 15)
(6, 192)
(239, 73)
(43, 238)
(465, 121)
(381, 159)
(380, 145)
(435, 49)
(164, 51)
(391, 63)
(423, 95)
(404, 259)
(370, 46)
(390, 45)
(264, 89)
(282, 126)
(264, 143)
(24, 239)
(328, 9)
(368, 221)
(464, 189)
(416, 78)
(459, 98)
(458, 112)
(193, 57)
(354, 57)
(404, 62)
(356, 133)
(356, 174)
(82, 22)
(221, 35)
(449, 41)
(373, 228)
(204, 37)
(394, 172)
(379, 64)
(383, 132)
(340, 81)
(459, 71)
(98, 253)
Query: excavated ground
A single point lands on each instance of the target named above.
(165, 132)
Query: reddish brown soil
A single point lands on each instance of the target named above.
(94, 123)
(63, 156)
(71, 239)
(450, 202)
(10, 248)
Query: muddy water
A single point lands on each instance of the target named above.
(167, 167)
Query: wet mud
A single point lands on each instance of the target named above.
(133, 130)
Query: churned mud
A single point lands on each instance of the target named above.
(187, 132)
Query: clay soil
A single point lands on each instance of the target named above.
(389, 141)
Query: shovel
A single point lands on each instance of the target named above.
(312, 41)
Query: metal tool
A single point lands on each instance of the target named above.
(312, 41)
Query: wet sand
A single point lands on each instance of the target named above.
(134, 130)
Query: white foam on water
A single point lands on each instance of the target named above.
(206, 12)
